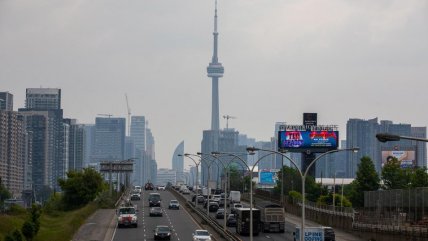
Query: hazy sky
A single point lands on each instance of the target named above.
(340, 58)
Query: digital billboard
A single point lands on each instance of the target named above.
(299, 140)
(407, 159)
(268, 177)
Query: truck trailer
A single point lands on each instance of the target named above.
(243, 221)
(272, 217)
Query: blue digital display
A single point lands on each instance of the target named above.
(304, 140)
(267, 178)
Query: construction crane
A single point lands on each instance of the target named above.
(129, 115)
(227, 117)
(109, 115)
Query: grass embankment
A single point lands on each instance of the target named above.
(61, 226)
(56, 225)
(10, 222)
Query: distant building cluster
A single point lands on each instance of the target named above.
(38, 145)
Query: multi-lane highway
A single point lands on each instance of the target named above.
(287, 235)
(179, 221)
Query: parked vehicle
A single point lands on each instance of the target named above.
(162, 232)
(272, 217)
(154, 200)
(235, 197)
(316, 233)
(127, 216)
(242, 223)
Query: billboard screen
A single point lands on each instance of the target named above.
(268, 177)
(308, 140)
(407, 159)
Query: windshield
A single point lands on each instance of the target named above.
(127, 211)
(174, 201)
(163, 229)
(154, 197)
(202, 233)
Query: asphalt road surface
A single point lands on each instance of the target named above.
(179, 221)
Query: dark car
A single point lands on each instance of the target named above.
(154, 200)
(156, 211)
(213, 206)
(221, 202)
(231, 220)
(201, 199)
(220, 213)
(162, 232)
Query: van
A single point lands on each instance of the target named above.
(154, 200)
(316, 233)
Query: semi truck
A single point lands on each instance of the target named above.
(272, 217)
(243, 221)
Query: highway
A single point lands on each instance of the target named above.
(178, 220)
(287, 235)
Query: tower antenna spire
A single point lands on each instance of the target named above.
(215, 71)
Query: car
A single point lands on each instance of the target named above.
(201, 199)
(221, 202)
(231, 220)
(220, 213)
(174, 204)
(216, 198)
(156, 212)
(213, 207)
(162, 232)
(235, 206)
(135, 196)
(154, 200)
(161, 188)
(201, 234)
(127, 216)
(186, 191)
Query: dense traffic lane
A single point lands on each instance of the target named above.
(287, 235)
(179, 221)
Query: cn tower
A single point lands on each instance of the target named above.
(215, 71)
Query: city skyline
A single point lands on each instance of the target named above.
(339, 59)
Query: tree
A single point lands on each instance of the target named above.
(393, 176)
(28, 230)
(367, 180)
(328, 200)
(81, 187)
(4, 193)
(419, 177)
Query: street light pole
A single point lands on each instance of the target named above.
(384, 137)
(197, 172)
(303, 176)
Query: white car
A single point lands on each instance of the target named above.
(201, 235)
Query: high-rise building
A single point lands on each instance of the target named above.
(109, 139)
(89, 142)
(362, 133)
(13, 151)
(178, 161)
(76, 145)
(6, 101)
(165, 176)
(38, 125)
(45, 105)
(138, 131)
